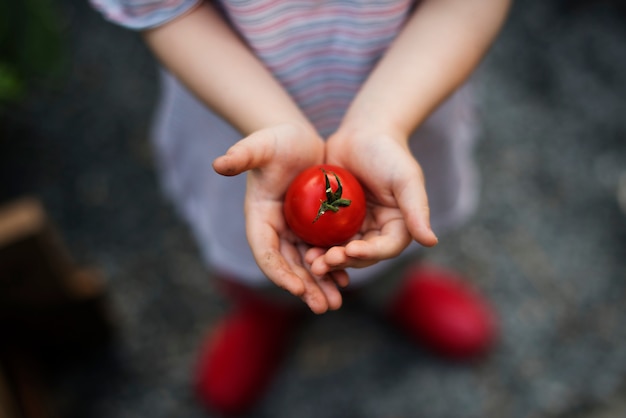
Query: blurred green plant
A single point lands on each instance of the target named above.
(31, 46)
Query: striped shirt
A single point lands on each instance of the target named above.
(320, 51)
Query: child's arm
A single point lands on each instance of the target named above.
(435, 53)
(439, 47)
(202, 51)
(210, 59)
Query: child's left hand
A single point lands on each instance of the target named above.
(397, 202)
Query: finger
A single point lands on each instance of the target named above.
(319, 267)
(387, 243)
(277, 270)
(352, 262)
(413, 203)
(341, 277)
(318, 294)
(313, 253)
(294, 279)
(333, 259)
(265, 245)
(251, 152)
(336, 257)
(325, 260)
(332, 294)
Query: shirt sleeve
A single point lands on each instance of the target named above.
(142, 14)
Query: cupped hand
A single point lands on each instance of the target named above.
(398, 210)
(272, 157)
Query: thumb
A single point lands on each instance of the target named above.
(253, 151)
(413, 202)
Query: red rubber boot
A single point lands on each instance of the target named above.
(436, 308)
(242, 355)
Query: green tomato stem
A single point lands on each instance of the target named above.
(333, 199)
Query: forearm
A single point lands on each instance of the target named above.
(202, 51)
(440, 46)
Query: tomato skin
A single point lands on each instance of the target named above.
(304, 197)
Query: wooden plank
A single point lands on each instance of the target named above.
(19, 219)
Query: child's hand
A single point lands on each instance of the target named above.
(397, 202)
(273, 157)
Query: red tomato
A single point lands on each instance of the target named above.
(325, 205)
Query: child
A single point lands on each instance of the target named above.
(373, 87)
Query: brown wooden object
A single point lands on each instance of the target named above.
(51, 310)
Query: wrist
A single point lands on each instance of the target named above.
(371, 124)
(300, 128)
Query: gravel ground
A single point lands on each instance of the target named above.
(547, 245)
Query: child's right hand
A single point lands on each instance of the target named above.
(272, 157)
